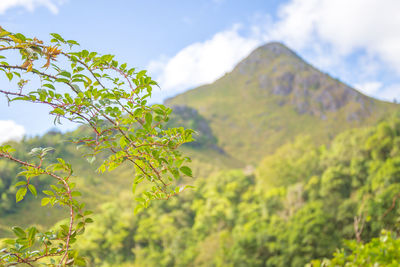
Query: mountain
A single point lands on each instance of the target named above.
(298, 202)
(272, 96)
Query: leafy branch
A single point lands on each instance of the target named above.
(109, 98)
(51, 243)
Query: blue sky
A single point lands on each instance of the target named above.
(184, 44)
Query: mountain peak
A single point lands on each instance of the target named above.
(266, 55)
(275, 70)
(276, 48)
(273, 95)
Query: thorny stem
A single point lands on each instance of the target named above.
(66, 186)
(21, 260)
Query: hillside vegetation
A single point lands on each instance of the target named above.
(266, 218)
(300, 204)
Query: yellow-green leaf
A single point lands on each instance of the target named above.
(21, 194)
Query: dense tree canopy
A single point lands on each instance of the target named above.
(239, 219)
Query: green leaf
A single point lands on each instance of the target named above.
(62, 80)
(58, 37)
(31, 233)
(77, 89)
(3, 33)
(20, 36)
(33, 97)
(32, 189)
(48, 192)
(134, 187)
(58, 111)
(186, 170)
(21, 194)
(72, 42)
(20, 183)
(65, 74)
(87, 212)
(123, 142)
(65, 228)
(45, 201)
(18, 231)
(79, 261)
(48, 85)
(85, 53)
(9, 76)
(68, 97)
(149, 119)
(141, 74)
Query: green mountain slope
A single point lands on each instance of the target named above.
(96, 188)
(271, 97)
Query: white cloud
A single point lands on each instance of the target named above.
(378, 90)
(369, 88)
(9, 130)
(389, 93)
(202, 62)
(30, 5)
(346, 25)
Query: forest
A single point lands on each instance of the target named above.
(322, 195)
(336, 198)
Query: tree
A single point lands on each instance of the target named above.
(380, 251)
(112, 101)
